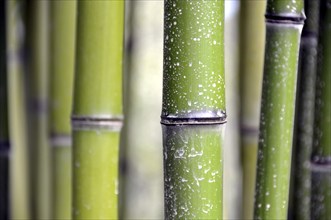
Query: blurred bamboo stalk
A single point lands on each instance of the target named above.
(321, 152)
(4, 135)
(284, 22)
(62, 47)
(38, 73)
(19, 166)
(193, 109)
(97, 110)
(252, 41)
(304, 122)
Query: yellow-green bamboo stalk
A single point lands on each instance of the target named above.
(252, 34)
(284, 22)
(19, 166)
(193, 109)
(97, 110)
(63, 28)
(4, 135)
(321, 152)
(37, 77)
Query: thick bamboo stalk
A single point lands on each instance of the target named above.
(4, 135)
(305, 119)
(19, 166)
(193, 109)
(321, 153)
(252, 34)
(284, 22)
(63, 27)
(38, 73)
(97, 111)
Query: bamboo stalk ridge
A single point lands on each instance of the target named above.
(62, 45)
(284, 22)
(252, 34)
(4, 135)
(19, 165)
(193, 110)
(304, 123)
(321, 152)
(97, 110)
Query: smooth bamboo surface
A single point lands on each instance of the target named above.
(193, 110)
(284, 22)
(62, 45)
(97, 110)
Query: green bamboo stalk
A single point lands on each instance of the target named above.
(97, 111)
(284, 22)
(304, 121)
(252, 33)
(193, 110)
(19, 166)
(38, 73)
(321, 153)
(4, 135)
(63, 26)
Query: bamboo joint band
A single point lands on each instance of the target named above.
(109, 123)
(193, 121)
(60, 140)
(271, 18)
(321, 164)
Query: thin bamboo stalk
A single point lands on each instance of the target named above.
(19, 166)
(321, 153)
(97, 112)
(4, 135)
(62, 45)
(38, 73)
(305, 119)
(193, 110)
(284, 22)
(252, 34)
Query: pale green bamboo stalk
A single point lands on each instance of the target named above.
(97, 110)
(38, 72)
(193, 109)
(63, 27)
(284, 22)
(4, 135)
(321, 153)
(252, 34)
(304, 124)
(19, 166)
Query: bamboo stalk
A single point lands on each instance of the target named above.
(193, 110)
(63, 26)
(252, 33)
(19, 166)
(321, 153)
(284, 22)
(4, 135)
(304, 122)
(97, 112)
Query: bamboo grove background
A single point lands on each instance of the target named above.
(243, 88)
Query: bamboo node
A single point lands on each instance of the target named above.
(97, 122)
(60, 140)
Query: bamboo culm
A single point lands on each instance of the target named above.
(284, 22)
(62, 45)
(252, 34)
(193, 110)
(304, 120)
(321, 152)
(97, 110)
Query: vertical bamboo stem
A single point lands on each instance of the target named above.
(4, 135)
(305, 119)
(97, 112)
(193, 110)
(19, 166)
(38, 67)
(63, 27)
(321, 153)
(252, 34)
(284, 22)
